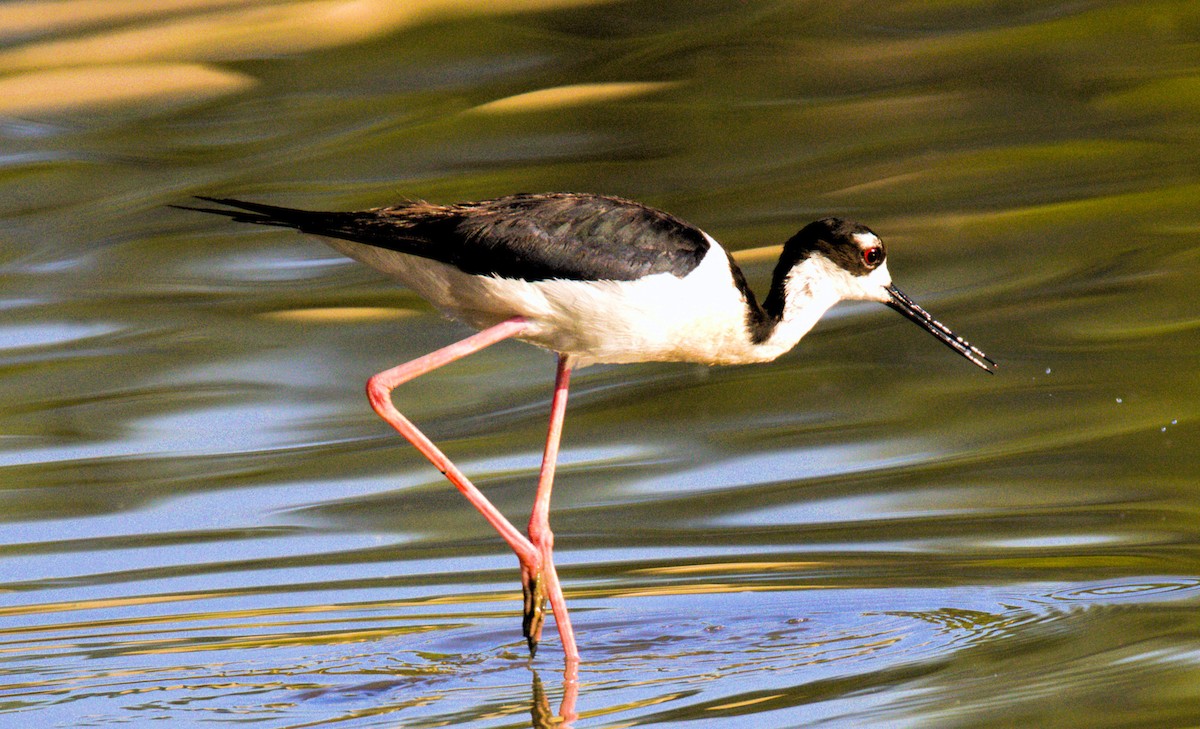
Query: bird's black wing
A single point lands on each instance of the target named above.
(526, 236)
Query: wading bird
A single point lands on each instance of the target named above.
(595, 279)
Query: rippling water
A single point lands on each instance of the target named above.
(202, 521)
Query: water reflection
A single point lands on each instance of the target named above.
(540, 713)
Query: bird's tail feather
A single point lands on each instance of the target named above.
(390, 228)
(261, 213)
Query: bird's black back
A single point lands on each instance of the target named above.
(525, 236)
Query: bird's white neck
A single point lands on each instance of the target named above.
(808, 292)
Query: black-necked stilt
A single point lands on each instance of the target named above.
(594, 279)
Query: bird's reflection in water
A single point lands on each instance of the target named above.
(539, 710)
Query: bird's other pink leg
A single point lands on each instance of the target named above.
(543, 584)
(379, 391)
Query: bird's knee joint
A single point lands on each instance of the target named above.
(378, 393)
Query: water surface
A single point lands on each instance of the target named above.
(202, 521)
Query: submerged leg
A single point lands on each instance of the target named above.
(543, 584)
(379, 391)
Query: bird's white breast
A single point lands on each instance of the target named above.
(698, 318)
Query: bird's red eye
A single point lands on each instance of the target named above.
(873, 256)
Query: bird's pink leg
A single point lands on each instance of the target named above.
(379, 391)
(544, 584)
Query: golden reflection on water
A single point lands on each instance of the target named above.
(560, 97)
(156, 56)
(339, 314)
(31, 17)
(708, 567)
(148, 85)
(105, 603)
(223, 30)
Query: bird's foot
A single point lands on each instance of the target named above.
(534, 586)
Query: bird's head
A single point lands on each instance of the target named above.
(842, 259)
(840, 255)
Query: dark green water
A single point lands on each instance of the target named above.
(202, 522)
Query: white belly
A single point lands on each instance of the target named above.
(699, 318)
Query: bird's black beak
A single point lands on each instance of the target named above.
(909, 308)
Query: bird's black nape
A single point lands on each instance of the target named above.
(835, 239)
